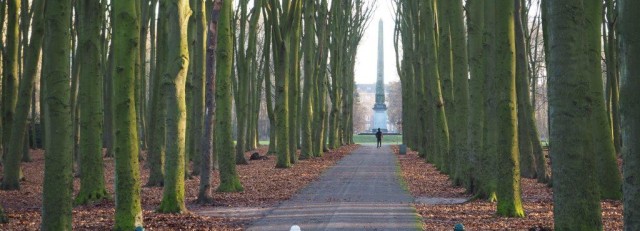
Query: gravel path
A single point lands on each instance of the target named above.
(362, 192)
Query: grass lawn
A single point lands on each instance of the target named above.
(371, 139)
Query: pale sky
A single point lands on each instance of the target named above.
(367, 57)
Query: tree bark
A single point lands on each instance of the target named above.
(608, 176)
(475, 28)
(575, 189)
(320, 78)
(294, 82)
(92, 186)
(508, 188)
(204, 193)
(199, 84)
(11, 74)
(57, 187)
(128, 214)
(309, 45)
(445, 68)
(175, 122)
(12, 170)
(629, 38)
(460, 94)
(527, 160)
(267, 88)
(229, 179)
(488, 156)
(157, 149)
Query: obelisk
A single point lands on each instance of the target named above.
(380, 108)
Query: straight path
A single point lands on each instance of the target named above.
(361, 192)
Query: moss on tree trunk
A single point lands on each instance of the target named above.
(57, 186)
(174, 85)
(92, 186)
(487, 186)
(229, 179)
(461, 94)
(575, 189)
(128, 214)
(508, 188)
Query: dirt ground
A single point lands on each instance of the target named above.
(423, 180)
(265, 186)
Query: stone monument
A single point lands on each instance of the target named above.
(380, 117)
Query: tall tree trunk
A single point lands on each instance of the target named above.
(204, 192)
(527, 160)
(609, 30)
(475, 30)
(308, 48)
(157, 149)
(294, 84)
(142, 8)
(174, 84)
(268, 93)
(245, 65)
(128, 214)
(629, 38)
(460, 92)
(508, 189)
(434, 90)
(281, 25)
(108, 101)
(608, 176)
(281, 109)
(11, 74)
(12, 170)
(575, 188)
(57, 187)
(445, 68)
(320, 104)
(199, 83)
(336, 39)
(76, 57)
(92, 186)
(544, 176)
(190, 94)
(488, 181)
(229, 179)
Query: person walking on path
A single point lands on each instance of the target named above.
(379, 138)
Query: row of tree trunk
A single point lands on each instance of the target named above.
(470, 97)
(162, 77)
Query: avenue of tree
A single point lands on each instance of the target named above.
(181, 83)
(467, 87)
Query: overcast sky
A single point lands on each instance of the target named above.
(366, 60)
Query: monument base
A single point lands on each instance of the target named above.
(383, 130)
(380, 120)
